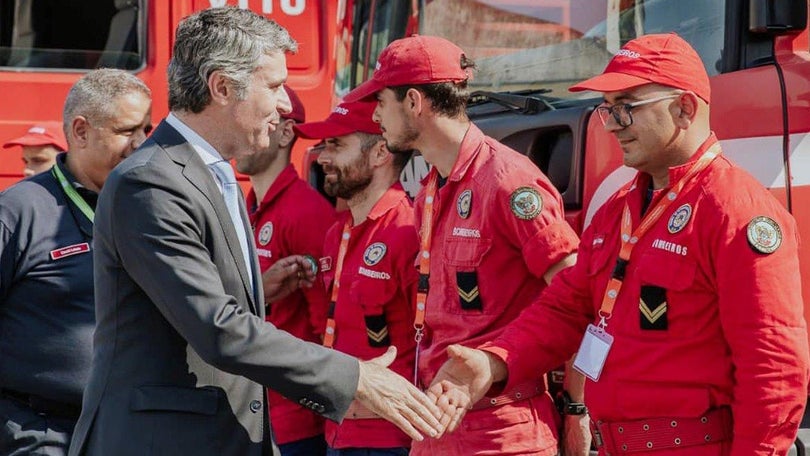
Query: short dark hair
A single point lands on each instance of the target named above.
(448, 98)
(370, 140)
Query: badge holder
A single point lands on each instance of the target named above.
(593, 352)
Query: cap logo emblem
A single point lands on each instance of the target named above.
(374, 253)
(764, 234)
(341, 110)
(628, 54)
(464, 203)
(377, 66)
(679, 218)
(266, 233)
(37, 130)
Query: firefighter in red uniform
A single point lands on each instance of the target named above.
(289, 217)
(367, 265)
(686, 286)
(492, 233)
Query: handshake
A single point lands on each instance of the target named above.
(463, 380)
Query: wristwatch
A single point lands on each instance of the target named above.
(566, 407)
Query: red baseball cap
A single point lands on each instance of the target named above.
(414, 60)
(42, 134)
(298, 113)
(664, 59)
(346, 118)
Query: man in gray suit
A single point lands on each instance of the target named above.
(181, 348)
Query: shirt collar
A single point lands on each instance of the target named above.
(205, 150)
(285, 178)
(677, 172)
(387, 201)
(469, 149)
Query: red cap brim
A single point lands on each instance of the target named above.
(364, 92)
(27, 141)
(609, 82)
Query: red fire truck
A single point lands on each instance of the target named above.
(528, 53)
(45, 46)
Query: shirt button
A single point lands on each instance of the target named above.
(255, 406)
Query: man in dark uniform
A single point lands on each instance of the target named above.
(46, 265)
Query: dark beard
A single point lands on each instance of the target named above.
(346, 186)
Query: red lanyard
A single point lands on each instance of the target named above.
(329, 335)
(424, 267)
(630, 237)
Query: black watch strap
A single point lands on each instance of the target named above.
(567, 407)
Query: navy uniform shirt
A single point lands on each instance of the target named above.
(47, 313)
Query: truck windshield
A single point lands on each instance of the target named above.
(552, 44)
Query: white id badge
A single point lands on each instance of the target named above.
(593, 352)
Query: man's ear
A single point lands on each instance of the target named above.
(220, 87)
(686, 110)
(287, 133)
(414, 101)
(379, 155)
(80, 129)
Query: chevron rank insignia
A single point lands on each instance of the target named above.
(653, 308)
(469, 297)
(377, 331)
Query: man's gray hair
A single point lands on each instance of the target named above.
(91, 96)
(228, 39)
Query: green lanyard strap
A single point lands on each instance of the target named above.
(72, 194)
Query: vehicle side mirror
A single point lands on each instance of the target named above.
(777, 16)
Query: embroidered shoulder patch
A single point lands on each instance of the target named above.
(764, 234)
(526, 203)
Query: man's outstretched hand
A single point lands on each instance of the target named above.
(393, 398)
(462, 381)
(287, 275)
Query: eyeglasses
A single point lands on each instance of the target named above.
(621, 112)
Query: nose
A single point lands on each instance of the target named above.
(284, 104)
(28, 172)
(375, 116)
(611, 125)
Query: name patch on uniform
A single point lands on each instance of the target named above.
(679, 218)
(325, 263)
(373, 274)
(70, 250)
(266, 233)
(464, 204)
(669, 247)
(526, 203)
(264, 253)
(374, 253)
(466, 232)
(764, 234)
(598, 241)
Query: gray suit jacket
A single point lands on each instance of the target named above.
(181, 347)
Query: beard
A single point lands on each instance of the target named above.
(348, 181)
(405, 141)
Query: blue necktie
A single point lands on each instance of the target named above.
(230, 191)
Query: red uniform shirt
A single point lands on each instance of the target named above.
(374, 306)
(498, 226)
(730, 331)
(292, 219)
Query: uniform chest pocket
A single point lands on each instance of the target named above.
(372, 294)
(464, 256)
(666, 270)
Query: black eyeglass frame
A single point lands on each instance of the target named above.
(615, 110)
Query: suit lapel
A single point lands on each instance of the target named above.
(198, 174)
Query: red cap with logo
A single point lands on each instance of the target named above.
(345, 119)
(664, 59)
(298, 113)
(43, 134)
(412, 61)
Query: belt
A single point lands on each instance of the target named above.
(358, 411)
(620, 437)
(521, 392)
(43, 406)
